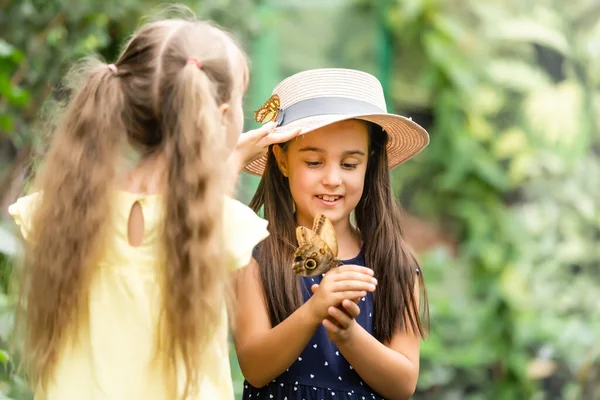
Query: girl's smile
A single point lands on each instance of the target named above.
(329, 200)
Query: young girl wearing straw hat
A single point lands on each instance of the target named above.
(353, 332)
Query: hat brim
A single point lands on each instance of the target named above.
(405, 137)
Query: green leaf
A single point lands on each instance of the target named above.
(487, 100)
(6, 50)
(522, 166)
(529, 31)
(6, 123)
(56, 35)
(489, 170)
(9, 52)
(514, 287)
(18, 97)
(510, 143)
(4, 357)
(517, 75)
(554, 115)
(9, 244)
(443, 52)
(450, 26)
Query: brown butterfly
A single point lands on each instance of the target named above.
(317, 248)
(268, 111)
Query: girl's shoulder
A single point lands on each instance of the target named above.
(22, 210)
(243, 230)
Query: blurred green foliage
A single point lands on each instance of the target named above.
(509, 93)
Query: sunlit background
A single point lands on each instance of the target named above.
(502, 207)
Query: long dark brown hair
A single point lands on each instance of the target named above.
(158, 103)
(378, 219)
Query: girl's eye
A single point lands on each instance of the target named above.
(312, 163)
(349, 166)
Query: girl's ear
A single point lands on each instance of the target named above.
(281, 158)
(224, 109)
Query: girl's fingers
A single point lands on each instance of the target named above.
(356, 276)
(351, 294)
(344, 286)
(330, 326)
(282, 137)
(340, 318)
(352, 309)
(333, 321)
(261, 132)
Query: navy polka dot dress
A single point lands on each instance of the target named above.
(321, 371)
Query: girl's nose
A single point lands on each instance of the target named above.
(332, 176)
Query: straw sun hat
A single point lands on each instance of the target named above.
(316, 98)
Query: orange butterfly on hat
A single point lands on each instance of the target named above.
(269, 111)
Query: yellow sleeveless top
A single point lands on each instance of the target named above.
(113, 358)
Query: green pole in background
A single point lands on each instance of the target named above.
(384, 47)
(264, 75)
(264, 61)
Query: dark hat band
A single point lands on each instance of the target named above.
(319, 106)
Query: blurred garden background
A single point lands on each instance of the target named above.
(502, 207)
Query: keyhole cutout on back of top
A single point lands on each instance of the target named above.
(135, 226)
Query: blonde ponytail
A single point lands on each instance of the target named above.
(74, 183)
(197, 178)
